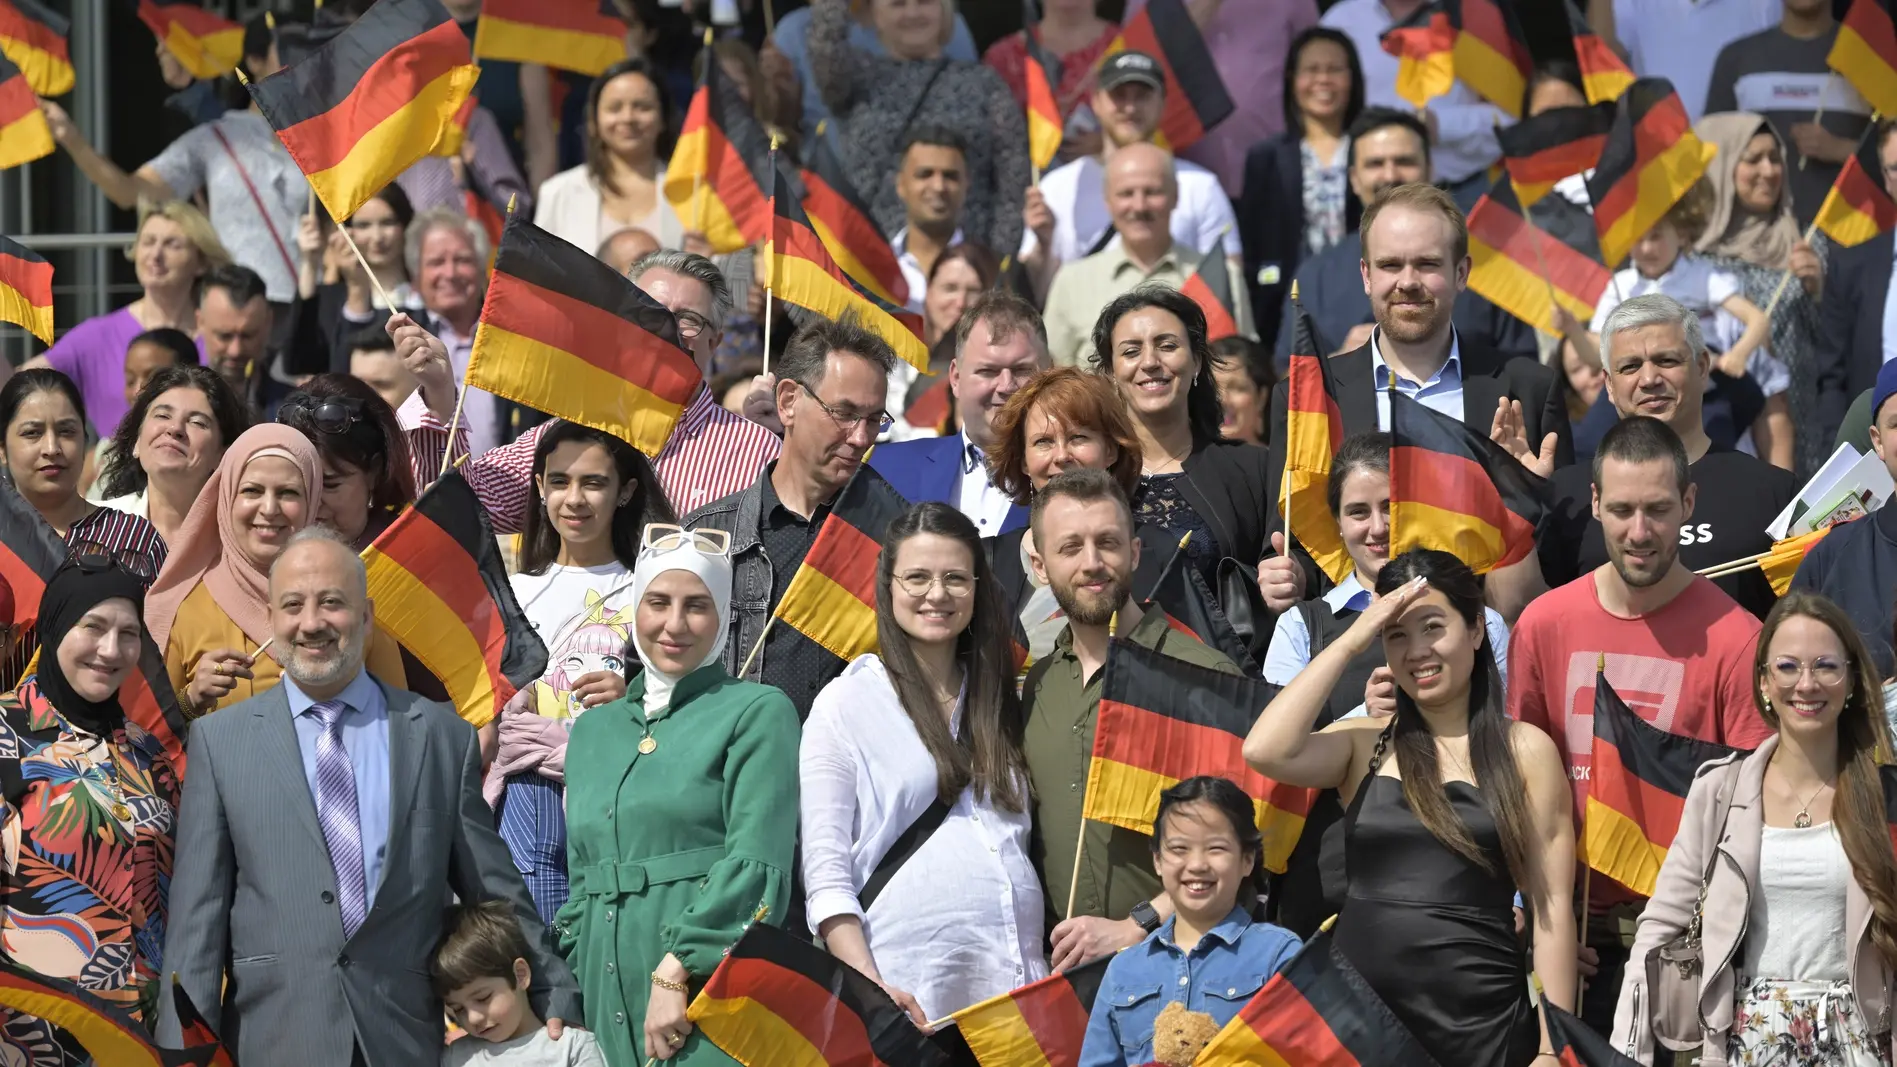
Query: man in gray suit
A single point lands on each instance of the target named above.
(323, 826)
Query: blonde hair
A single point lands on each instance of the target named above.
(1417, 196)
(867, 8)
(197, 229)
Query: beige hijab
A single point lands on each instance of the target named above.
(1734, 229)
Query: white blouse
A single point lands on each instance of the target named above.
(1795, 925)
(962, 920)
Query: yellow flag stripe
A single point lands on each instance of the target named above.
(1122, 795)
(694, 200)
(24, 140)
(412, 613)
(1868, 72)
(828, 614)
(1238, 1045)
(1663, 180)
(998, 1033)
(549, 379)
(1843, 223)
(1617, 847)
(522, 42)
(807, 285)
(404, 137)
(1510, 286)
(753, 1034)
(16, 308)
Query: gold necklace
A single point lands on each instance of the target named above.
(1803, 819)
(120, 809)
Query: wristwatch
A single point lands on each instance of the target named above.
(1145, 914)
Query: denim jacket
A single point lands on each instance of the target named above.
(1218, 977)
(741, 515)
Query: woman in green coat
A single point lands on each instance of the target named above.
(681, 812)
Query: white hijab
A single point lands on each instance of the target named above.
(715, 572)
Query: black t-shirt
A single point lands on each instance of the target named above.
(1738, 497)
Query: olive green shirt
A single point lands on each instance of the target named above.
(1061, 707)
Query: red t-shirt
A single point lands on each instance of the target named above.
(1686, 668)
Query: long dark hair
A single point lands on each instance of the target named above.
(372, 443)
(1491, 756)
(122, 474)
(1203, 410)
(987, 754)
(540, 543)
(1225, 795)
(25, 383)
(596, 145)
(1353, 103)
(1864, 742)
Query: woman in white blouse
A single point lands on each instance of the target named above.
(923, 743)
(621, 186)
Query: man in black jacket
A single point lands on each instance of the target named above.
(1857, 320)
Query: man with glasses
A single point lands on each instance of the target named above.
(1857, 320)
(832, 385)
(710, 454)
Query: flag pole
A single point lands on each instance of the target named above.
(1817, 117)
(770, 260)
(1785, 279)
(1080, 839)
(1587, 872)
(1284, 481)
(745, 668)
(698, 174)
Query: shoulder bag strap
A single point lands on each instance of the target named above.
(940, 66)
(1722, 807)
(906, 846)
(262, 212)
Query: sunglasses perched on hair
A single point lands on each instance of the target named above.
(330, 414)
(97, 559)
(664, 537)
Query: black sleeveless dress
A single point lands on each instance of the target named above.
(1433, 934)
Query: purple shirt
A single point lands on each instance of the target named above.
(92, 354)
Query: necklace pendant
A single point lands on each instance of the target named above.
(122, 812)
(648, 745)
(1802, 820)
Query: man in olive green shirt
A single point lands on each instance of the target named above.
(1083, 547)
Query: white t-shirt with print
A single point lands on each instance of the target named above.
(584, 616)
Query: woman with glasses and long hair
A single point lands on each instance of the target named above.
(925, 733)
(88, 804)
(1797, 919)
(1451, 809)
(596, 492)
(703, 769)
(168, 443)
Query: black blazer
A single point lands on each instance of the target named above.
(1228, 484)
(1271, 223)
(1850, 344)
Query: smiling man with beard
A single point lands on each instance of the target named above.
(1083, 527)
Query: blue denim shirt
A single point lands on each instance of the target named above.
(1218, 977)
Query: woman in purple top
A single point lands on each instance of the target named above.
(175, 246)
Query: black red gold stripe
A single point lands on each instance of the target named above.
(832, 597)
(1424, 46)
(1543, 149)
(24, 134)
(1314, 430)
(842, 218)
(1524, 269)
(1491, 53)
(718, 180)
(33, 36)
(1196, 99)
(576, 35)
(1039, 1025)
(1604, 75)
(1651, 159)
(1865, 52)
(1210, 286)
(1454, 490)
(26, 279)
(1041, 73)
(207, 45)
(1858, 207)
(107, 1033)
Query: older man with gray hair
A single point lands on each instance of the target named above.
(1657, 365)
(324, 905)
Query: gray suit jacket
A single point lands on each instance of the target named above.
(253, 893)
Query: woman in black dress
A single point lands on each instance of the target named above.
(1452, 809)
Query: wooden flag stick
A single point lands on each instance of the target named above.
(387, 300)
(461, 396)
(1817, 118)
(1785, 279)
(755, 649)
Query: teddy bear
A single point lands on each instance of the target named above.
(1179, 1035)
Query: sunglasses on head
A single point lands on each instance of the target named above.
(330, 414)
(97, 559)
(664, 537)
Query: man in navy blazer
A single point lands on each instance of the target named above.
(1857, 320)
(999, 344)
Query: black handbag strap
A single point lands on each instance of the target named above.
(921, 99)
(906, 846)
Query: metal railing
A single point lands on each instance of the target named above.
(56, 242)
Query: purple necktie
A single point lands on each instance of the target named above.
(336, 810)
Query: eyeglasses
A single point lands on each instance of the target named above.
(1825, 671)
(330, 414)
(850, 420)
(691, 324)
(665, 537)
(93, 558)
(919, 584)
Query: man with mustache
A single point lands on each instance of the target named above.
(1656, 365)
(1083, 547)
(1677, 649)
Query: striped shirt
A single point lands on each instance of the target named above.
(711, 453)
(121, 534)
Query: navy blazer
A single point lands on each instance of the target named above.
(1850, 346)
(1270, 213)
(926, 469)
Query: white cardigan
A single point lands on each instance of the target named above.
(567, 206)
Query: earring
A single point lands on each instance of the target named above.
(1768, 706)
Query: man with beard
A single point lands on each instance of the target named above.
(324, 907)
(1083, 547)
(1677, 650)
(1657, 365)
(234, 319)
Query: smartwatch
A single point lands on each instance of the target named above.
(1145, 914)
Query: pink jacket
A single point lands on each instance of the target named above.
(1736, 833)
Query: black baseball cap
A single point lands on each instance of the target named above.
(1130, 66)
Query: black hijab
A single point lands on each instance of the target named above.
(74, 590)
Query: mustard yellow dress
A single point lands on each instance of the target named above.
(202, 626)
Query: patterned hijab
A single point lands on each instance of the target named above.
(1733, 229)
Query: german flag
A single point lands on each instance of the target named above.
(33, 36)
(456, 132)
(1424, 45)
(29, 553)
(777, 1000)
(1182, 595)
(1453, 489)
(1210, 286)
(562, 333)
(1651, 159)
(441, 589)
(843, 219)
(207, 45)
(1541, 150)
(367, 105)
(799, 269)
(1038, 1025)
(1638, 778)
(1317, 1012)
(1196, 99)
(1491, 53)
(199, 1040)
(26, 280)
(107, 1031)
(1575, 1043)
(832, 597)
(1866, 52)
(719, 177)
(1858, 207)
(932, 409)
(1523, 269)
(1604, 76)
(1042, 73)
(1162, 721)
(1314, 430)
(24, 134)
(586, 36)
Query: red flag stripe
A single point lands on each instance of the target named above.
(803, 1004)
(847, 556)
(439, 561)
(1454, 484)
(1177, 749)
(614, 345)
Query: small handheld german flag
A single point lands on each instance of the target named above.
(832, 597)
(1047, 1019)
(1865, 52)
(843, 219)
(1196, 99)
(1042, 73)
(1317, 1012)
(561, 332)
(1424, 46)
(372, 101)
(201, 1044)
(585, 36)
(1455, 490)
(1575, 1043)
(1859, 206)
(1651, 159)
(26, 287)
(1604, 76)
(33, 36)
(1162, 721)
(1523, 269)
(1314, 431)
(1210, 286)
(1543, 149)
(1638, 778)
(1491, 52)
(441, 590)
(207, 45)
(719, 176)
(107, 1032)
(1182, 595)
(24, 134)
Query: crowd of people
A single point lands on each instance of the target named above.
(343, 864)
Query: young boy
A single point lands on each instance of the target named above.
(481, 974)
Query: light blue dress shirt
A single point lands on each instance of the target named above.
(366, 737)
(1442, 392)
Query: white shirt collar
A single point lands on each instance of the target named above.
(900, 242)
(1349, 595)
(1450, 372)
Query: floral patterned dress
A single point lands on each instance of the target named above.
(86, 826)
